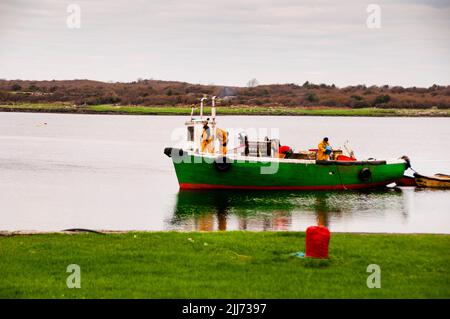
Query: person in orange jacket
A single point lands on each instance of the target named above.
(222, 136)
(323, 150)
(206, 138)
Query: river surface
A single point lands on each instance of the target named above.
(60, 171)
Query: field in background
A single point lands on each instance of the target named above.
(230, 110)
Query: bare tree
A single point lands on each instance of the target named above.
(252, 83)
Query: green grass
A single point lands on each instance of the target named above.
(222, 265)
(235, 110)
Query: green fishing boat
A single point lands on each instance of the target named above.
(258, 166)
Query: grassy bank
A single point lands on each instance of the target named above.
(222, 265)
(235, 110)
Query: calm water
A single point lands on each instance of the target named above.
(109, 172)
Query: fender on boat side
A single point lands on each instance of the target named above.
(173, 152)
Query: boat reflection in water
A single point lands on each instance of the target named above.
(259, 210)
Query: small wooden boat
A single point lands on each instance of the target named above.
(406, 181)
(436, 181)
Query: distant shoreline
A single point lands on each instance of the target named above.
(229, 110)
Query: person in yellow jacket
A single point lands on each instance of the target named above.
(324, 150)
(222, 136)
(206, 138)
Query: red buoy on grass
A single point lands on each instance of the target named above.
(317, 241)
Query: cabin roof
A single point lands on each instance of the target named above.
(198, 121)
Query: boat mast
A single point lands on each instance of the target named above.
(201, 107)
(213, 108)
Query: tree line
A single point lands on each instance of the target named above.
(171, 93)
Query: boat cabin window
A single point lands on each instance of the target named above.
(190, 136)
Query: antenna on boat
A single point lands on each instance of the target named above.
(201, 106)
(213, 108)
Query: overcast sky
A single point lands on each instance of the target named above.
(228, 41)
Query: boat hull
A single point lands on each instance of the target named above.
(200, 172)
(437, 181)
(193, 186)
(406, 181)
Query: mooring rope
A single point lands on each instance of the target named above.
(340, 178)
